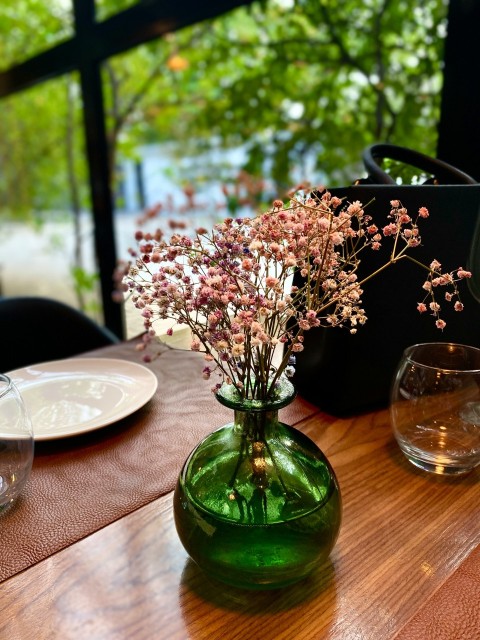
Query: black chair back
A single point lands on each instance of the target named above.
(37, 329)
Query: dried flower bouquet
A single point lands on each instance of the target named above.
(232, 286)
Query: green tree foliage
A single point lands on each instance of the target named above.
(290, 78)
(28, 27)
(42, 165)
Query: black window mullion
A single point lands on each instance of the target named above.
(98, 165)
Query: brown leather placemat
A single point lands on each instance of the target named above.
(453, 612)
(83, 483)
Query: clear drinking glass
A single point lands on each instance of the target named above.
(435, 407)
(16, 443)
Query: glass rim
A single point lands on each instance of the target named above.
(9, 384)
(408, 354)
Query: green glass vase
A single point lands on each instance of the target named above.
(257, 504)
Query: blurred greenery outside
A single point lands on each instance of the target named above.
(292, 89)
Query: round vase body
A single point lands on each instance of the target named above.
(257, 504)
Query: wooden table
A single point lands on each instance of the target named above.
(406, 565)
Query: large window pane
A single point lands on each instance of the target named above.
(154, 164)
(47, 241)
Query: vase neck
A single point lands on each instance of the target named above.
(282, 395)
(256, 426)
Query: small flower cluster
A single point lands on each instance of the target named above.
(436, 279)
(232, 286)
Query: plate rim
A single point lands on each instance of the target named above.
(83, 363)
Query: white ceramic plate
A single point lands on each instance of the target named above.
(69, 397)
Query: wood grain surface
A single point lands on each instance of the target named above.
(405, 533)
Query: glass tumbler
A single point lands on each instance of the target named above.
(16, 443)
(435, 407)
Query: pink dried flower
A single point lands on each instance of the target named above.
(297, 347)
(238, 350)
(271, 282)
(390, 229)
